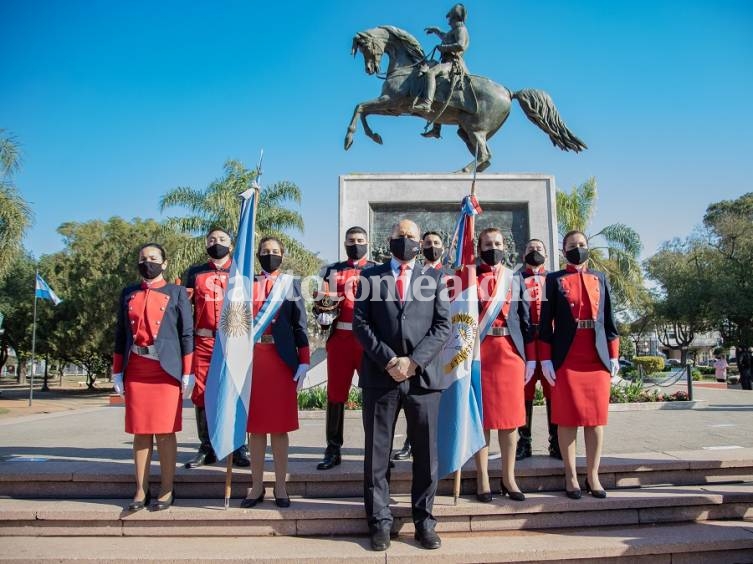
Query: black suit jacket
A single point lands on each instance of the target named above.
(289, 326)
(386, 328)
(558, 326)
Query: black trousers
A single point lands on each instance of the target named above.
(380, 409)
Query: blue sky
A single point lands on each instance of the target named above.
(116, 103)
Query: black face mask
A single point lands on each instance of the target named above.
(403, 248)
(432, 253)
(535, 258)
(270, 263)
(356, 252)
(150, 270)
(218, 251)
(578, 255)
(492, 256)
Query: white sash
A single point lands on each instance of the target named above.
(271, 305)
(504, 282)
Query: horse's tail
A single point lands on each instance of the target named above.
(540, 109)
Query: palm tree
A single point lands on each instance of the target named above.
(219, 206)
(15, 212)
(614, 249)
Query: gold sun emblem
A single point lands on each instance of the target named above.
(236, 319)
(461, 340)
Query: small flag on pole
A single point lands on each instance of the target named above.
(461, 431)
(44, 291)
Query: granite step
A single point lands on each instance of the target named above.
(67, 478)
(345, 516)
(716, 542)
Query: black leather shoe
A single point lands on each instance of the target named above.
(573, 494)
(554, 450)
(240, 457)
(250, 502)
(485, 497)
(601, 494)
(331, 459)
(162, 505)
(428, 539)
(522, 451)
(281, 501)
(404, 453)
(380, 540)
(202, 458)
(138, 505)
(515, 496)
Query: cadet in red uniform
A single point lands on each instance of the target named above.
(343, 350)
(579, 347)
(206, 283)
(281, 359)
(534, 275)
(152, 369)
(504, 350)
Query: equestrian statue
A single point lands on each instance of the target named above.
(443, 92)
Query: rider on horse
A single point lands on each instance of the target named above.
(454, 44)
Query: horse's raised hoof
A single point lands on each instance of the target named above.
(377, 139)
(348, 141)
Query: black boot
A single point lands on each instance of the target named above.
(524, 435)
(240, 457)
(403, 453)
(334, 431)
(206, 452)
(554, 443)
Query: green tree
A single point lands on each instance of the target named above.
(15, 212)
(614, 249)
(98, 261)
(16, 303)
(218, 205)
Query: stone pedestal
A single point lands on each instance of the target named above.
(522, 205)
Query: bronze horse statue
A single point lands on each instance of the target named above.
(403, 83)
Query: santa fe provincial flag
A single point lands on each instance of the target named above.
(42, 290)
(228, 391)
(461, 431)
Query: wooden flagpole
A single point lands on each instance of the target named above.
(457, 482)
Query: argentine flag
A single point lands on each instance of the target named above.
(42, 290)
(228, 390)
(461, 431)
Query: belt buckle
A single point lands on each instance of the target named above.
(267, 339)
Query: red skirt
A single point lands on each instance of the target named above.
(153, 403)
(343, 359)
(202, 357)
(502, 384)
(580, 397)
(274, 398)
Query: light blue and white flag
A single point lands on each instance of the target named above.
(228, 391)
(43, 290)
(461, 431)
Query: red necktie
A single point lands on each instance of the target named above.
(401, 284)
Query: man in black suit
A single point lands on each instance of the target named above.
(402, 321)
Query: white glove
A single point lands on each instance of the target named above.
(117, 383)
(300, 376)
(614, 369)
(326, 318)
(187, 383)
(547, 368)
(530, 369)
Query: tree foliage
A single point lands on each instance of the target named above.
(218, 205)
(15, 212)
(613, 249)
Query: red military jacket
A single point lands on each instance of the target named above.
(206, 284)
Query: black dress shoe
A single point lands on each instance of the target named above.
(137, 505)
(554, 450)
(281, 501)
(485, 497)
(250, 502)
(523, 451)
(240, 457)
(404, 453)
(573, 494)
(428, 539)
(380, 540)
(515, 496)
(202, 458)
(162, 505)
(331, 459)
(601, 494)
